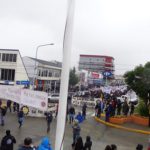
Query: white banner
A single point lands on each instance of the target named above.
(10, 93)
(34, 99)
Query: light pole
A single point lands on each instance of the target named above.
(37, 48)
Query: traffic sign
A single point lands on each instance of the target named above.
(107, 73)
(22, 82)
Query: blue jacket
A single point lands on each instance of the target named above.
(80, 118)
(45, 144)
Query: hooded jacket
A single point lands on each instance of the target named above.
(45, 144)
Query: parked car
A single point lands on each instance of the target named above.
(53, 98)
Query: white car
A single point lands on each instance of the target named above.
(53, 98)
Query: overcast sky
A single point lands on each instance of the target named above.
(117, 28)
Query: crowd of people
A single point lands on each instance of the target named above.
(108, 103)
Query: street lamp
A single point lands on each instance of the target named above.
(37, 48)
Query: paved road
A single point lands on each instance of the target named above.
(101, 134)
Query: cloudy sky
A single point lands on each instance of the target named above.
(118, 28)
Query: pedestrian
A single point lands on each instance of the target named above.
(49, 119)
(8, 141)
(45, 144)
(3, 111)
(96, 109)
(76, 131)
(139, 147)
(113, 147)
(17, 107)
(9, 105)
(84, 107)
(107, 113)
(79, 117)
(14, 106)
(27, 144)
(79, 144)
(131, 108)
(125, 108)
(88, 143)
(99, 109)
(119, 107)
(71, 114)
(20, 117)
(108, 147)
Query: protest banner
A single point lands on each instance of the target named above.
(10, 93)
(35, 99)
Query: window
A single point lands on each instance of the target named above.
(8, 74)
(14, 57)
(9, 57)
(50, 74)
(3, 57)
(39, 72)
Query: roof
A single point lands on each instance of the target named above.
(9, 49)
(82, 55)
(49, 63)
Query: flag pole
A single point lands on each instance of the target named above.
(67, 42)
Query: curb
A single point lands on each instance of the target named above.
(121, 127)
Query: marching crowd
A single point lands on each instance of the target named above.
(108, 103)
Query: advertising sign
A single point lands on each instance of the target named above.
(107, 74)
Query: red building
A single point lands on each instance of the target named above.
(96, 63)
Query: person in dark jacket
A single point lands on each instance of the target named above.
(139, 147)
(113, 147)
(8, 141)
(131, 108)
(84, 107)
(3, 111)
(119, 107)
(88, 143)
(71, 114)
(9, 105)
(125, 108)
(108, 147)
(79, 144)
(20, 117)
(49, 119)
(27, 144)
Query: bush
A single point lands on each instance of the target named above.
(142, 109)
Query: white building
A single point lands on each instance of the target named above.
(12, 68)
(47, 73)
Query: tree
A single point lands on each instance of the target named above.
(73, 79)
(139, 80)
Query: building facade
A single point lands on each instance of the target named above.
(11, 67)
(96, 63)
(45, 74)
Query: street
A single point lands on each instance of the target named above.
(101, 135)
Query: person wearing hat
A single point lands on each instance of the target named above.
(8, 141)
